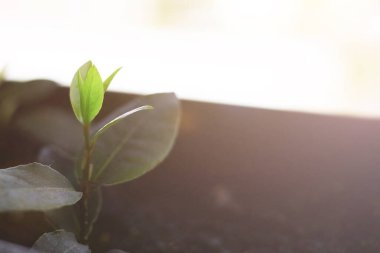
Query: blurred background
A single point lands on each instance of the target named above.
(304, 55)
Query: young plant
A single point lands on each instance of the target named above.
(86, 96)
(121, 147)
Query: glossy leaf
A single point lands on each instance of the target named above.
(53, 127)
(137, 143)
(75, 93)
(120, 118)
(26, 92)
(92, 94)
(59, 241)
(15, 94)
(34, 187)
(86, 93)
(7, 247)
(64, 218)
(60, 160)
(108, 81)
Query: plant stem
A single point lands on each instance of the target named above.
(85, 184)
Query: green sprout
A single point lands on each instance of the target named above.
(86, 95)
(119, 148)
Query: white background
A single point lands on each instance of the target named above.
(305, 55)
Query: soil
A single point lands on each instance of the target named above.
(238, 180)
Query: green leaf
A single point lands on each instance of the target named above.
(139, 142)
(92, 94)
(119, 118)
(108, 81)
(60, 160)
(15, 94)
(86, 93)
(34, 187)
(75, 93)
(27, 92)
(64, 218)
(59, 242)
(53, 127)
(7, 247)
